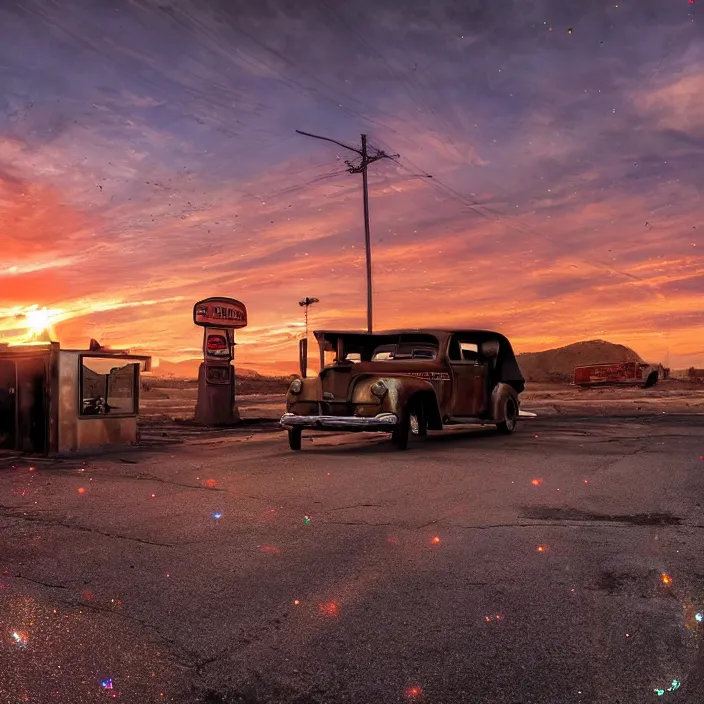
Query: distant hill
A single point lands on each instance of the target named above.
(188, 369)
(93, 383)
(554, 365)
(558, 364)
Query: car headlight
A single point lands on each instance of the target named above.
(296, 386)
(379, 389)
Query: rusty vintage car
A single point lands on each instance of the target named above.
(406, 382)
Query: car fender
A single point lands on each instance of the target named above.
(400, 390)
(497, 396)
(309, 391)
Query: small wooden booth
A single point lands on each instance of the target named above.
(55, 401)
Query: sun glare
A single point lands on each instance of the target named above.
(38, 320)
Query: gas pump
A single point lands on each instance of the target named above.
(219, 318)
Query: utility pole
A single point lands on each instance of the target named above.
(367, 236)
(356, 169)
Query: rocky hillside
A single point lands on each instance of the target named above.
(249, 384)
(188, 369)
(557, 365)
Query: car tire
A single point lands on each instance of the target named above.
(418, 421)
(401, 433)
(651, 380)
(294, 438)
(509, 411)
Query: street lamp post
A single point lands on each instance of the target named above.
(305, 303)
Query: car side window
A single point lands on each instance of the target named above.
(463, 350)
(470, 351)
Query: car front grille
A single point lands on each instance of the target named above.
(335, 408)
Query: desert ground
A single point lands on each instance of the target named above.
(560, 565)
(168, 400)
(168, 405)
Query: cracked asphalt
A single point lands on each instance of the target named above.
(561, 565)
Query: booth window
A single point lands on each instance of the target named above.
(108, 387)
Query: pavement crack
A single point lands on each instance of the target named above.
(180, 654)
(514, 525)
(431, 523)
(574, 514)
(143, 476)
(623, 455)
(39, 581)
(343, 508)
(491, 526)
(201, 664)
(552, 524)
(364, 523)
(85, 529)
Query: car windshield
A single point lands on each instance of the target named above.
(379, 348)
(404, 351)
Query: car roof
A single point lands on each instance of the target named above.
(406, 331)
(510, 371)
(435, 332)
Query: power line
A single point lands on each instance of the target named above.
(497, 216)
(361, 167)
(295, 187)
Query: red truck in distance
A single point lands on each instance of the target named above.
(618, 374)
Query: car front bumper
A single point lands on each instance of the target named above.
(381, 422)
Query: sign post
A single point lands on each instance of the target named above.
(219, 318)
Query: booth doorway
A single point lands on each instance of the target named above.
(24, 412)
(32, 411)
(8, 405)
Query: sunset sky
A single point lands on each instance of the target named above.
(148, 158)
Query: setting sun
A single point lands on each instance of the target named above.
(38, 320)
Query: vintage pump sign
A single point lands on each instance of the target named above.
(219, 317)
(220, 313)
(218, 344)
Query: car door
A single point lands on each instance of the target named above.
(468, 379)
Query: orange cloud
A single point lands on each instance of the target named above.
(457, 274)
(119, 208)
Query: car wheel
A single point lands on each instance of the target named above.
(401, 432)
(651, 380)
(294, 438)
(419, 424)
(510, 414)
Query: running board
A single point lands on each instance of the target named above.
(469, 420)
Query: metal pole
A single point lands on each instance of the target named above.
(367, 237)
(355, 169)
